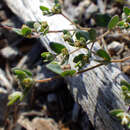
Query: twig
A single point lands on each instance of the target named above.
(121, 60)
(82, 71)
(78, 26)
(103, 35)
(47, 79)
(75, 50)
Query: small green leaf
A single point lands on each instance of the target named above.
(92, 34)
(82, 34)
(19, 73)
(102, 53)
(14, 97)
(125, 83)
(26, 30)
(78, 58)
(68, 73)
(126, 10)
(55, 67)
(115, 112)
(18, 31)
(113, 22)
(43, 8)
(57, 47)
(121, 23)
(47, 56)
(129, 126)
(22, 73)
(102, 19)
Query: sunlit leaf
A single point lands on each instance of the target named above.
(56, 47)
(126, 10)
(43, 8)
(26, 30)
(116, 111)
(47, 56)
(102, 53)
(68, 73)
(125, 83)
(55, 67)
(21, 73)
(113, 22)
(14, 97)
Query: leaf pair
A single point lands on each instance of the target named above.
(24, 76)
(90, 35)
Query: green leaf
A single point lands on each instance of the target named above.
(102, 19)
(79, 34)
(30, 24)
(102, 53)
(47, 56)
(14, 97)
(121, 23)
(56, 47)
(68, 73)
(92, 34)
(18, 31)
(19, 73)
(26, 30)
(55, 67)
(27, 72)
(78, 58)
(22, 73)
(126, 10)
(113, 22)
(43, 8)
(125, 83)
(115, 112)
(128, 126)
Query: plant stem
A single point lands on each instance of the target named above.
(103, 35)
(5, 27)
(121, 60)
(90, 68)
(47, 79)
(75, 50)
(78, 26)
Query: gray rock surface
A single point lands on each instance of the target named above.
(3, 105)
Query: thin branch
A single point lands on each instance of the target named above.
(87, 69)
(77, 25)
(6, 27)
(103, 35)
(82, 71)
(75, 50)
(121, 60)
(47, 79)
